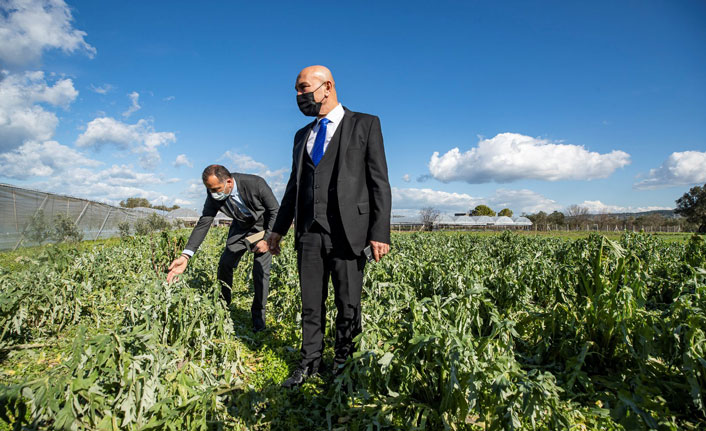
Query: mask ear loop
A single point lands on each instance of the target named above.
(317, 88)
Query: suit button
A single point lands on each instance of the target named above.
(316, 186)
(317, 201)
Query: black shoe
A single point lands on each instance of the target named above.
(258, 322)
(297, 378)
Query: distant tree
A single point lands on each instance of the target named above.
(429, 215)
(38, 229)
(124, 229)
(506, 212)
(158, 223)
(576, 211)
(605, 220)
(65, 230)
(142, 227)
(539, 220)
(650, 220)
(692, 206)
(578, 215)
(135, 203)
(482, 210)
(556, 218)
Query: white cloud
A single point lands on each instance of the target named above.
(518, 201)
(510, 157)
(680, 169)
(22, 117)
(182, 160)
(28, 27)
(169, 98)
(105, 89)
(413, 198)
(246, 164)
(406, 178)
(35, 159)
(67, 171)
(135, 98)
(125, 175)
(598, 207)
(139, 137)
(110, 185)
(106, 130)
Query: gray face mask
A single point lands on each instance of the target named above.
(219, 196)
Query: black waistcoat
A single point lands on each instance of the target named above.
(317, 189)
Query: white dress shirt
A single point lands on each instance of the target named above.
(335, 117)
(235, 198)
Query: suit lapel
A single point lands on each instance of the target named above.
(300, 148)
(346, 135)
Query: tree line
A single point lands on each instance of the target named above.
(688, 216)
(144, 203)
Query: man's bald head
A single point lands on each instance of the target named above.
(319, 80)
(317, 73)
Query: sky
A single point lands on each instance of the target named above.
(526, 105)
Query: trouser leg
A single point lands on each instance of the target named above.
(261, 284)
(313, 279)
(229, 260)
(347, 277)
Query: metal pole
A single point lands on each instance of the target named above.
(14, 205)
(103, 225)
(81, 215)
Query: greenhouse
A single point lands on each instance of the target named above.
(19, 207)
(450, 221)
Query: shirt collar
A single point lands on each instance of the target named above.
(234, 192)
(335, 115)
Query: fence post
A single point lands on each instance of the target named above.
(103, 225)
(14, 206)
(81, 215)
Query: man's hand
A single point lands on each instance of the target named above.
(380, 249)
(261, 247)
(273, 241)
(177, 267)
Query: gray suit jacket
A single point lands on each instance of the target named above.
(257, 197)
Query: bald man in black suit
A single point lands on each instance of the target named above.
(338, 196)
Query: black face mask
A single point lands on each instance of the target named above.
(308, 105)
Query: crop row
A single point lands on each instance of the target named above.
(460, 332)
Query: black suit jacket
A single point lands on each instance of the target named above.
(257, 197)
(362, 186)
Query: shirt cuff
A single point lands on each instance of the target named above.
(188, 253)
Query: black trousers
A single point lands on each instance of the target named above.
(260, 275)
(318, 258)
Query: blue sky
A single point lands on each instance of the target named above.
(527, 105)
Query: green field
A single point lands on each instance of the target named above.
(472, 331)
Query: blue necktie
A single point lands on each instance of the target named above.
(318, 151)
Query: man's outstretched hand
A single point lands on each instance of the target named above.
(273, 241)
(177, 267)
